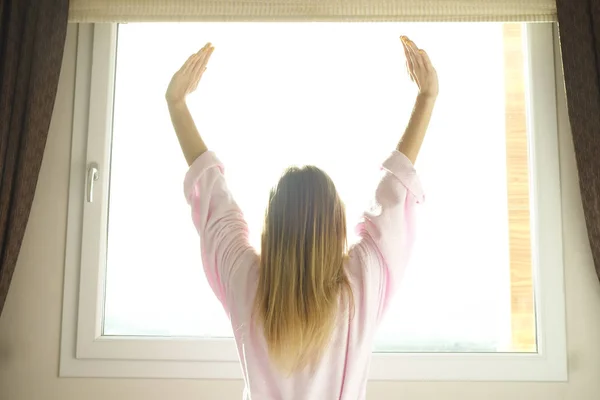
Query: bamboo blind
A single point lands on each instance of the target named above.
(312, 10)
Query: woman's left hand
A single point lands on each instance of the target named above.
(186, 80)
(420, 69)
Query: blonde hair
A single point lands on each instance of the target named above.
(302, 277)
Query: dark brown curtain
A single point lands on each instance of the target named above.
(32, 38)
(579, 25)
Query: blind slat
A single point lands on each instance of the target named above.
(313, 10)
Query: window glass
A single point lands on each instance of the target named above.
(337, 96)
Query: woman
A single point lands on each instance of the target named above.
(304, 311)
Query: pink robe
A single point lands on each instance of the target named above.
(375, 268)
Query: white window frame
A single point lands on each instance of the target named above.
(86, 353)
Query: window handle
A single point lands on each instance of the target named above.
(92, 176)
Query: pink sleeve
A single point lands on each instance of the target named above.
(387, 230)
(218, 220)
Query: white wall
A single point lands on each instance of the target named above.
(30, 324)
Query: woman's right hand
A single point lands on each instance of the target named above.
(420, 69)
(186, 80)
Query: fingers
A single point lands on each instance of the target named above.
(201, 63)
(409, 72)
(416, 58)
(416, 54)
(412, 52)
(204, 57)
(410, 61)
(196, 58)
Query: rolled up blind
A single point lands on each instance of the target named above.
(313, 10)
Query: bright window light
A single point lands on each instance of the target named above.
(336, 96)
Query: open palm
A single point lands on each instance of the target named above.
(186, 80)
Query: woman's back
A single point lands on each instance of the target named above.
(340, 373)
(373, 267)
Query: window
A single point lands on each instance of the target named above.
(485, 281)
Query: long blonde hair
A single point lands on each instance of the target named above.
(302, 281)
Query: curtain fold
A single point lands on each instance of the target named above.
(32, 37)
(579, 26)
(312, 10)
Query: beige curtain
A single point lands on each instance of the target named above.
(312, 10)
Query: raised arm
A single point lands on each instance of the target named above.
(184, 82)
(387, 230)
(216, 216)
(421, 72)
